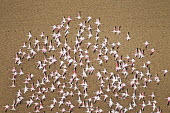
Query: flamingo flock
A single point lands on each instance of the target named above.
(84, 71)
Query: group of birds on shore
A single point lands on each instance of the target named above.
(75, 62)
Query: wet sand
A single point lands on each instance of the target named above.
(145, 20)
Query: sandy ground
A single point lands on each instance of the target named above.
(145, 20)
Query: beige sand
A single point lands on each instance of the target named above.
(145, 20)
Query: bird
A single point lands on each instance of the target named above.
(128, 36)
(25, 89)
(168, 100)
(42, 34)
(152, 51)
(118, 31)
(13, 106)
(6, 107)
(152, 96)
(89, 18)
(114, 30)
(97, 22)
(13, 84)
(24, 45)
(79, 16)
(54, 27)
(69, 19)
(29, 35)
(146, 44)
(54, 101)
(51, 106)
(165, 72)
